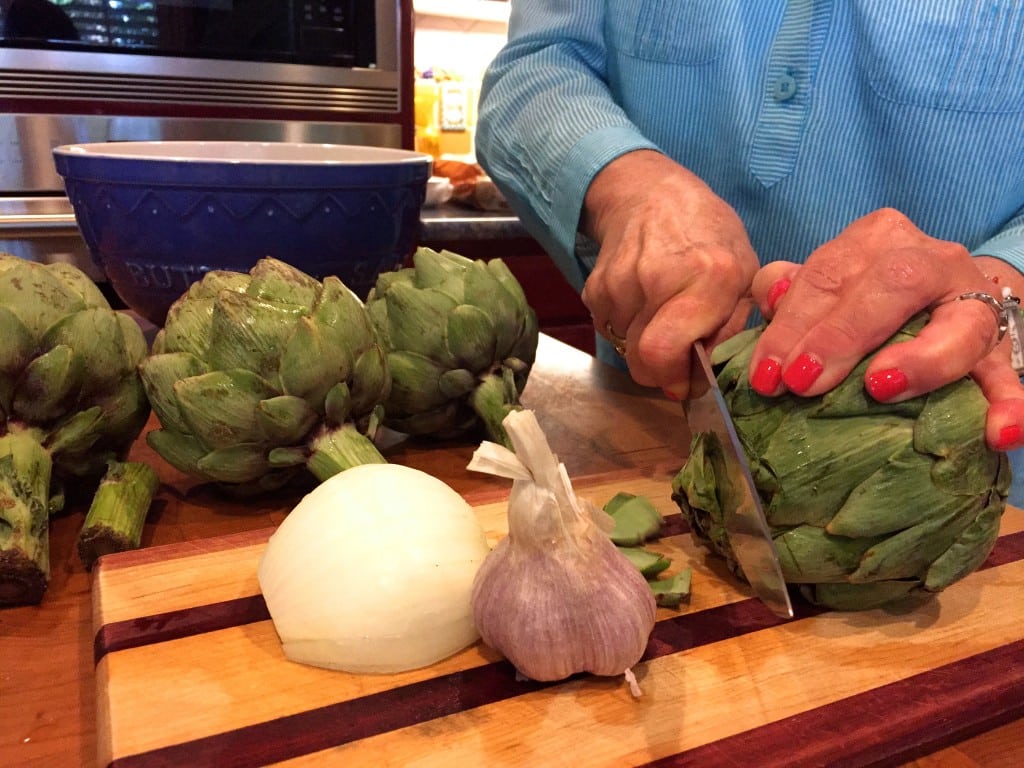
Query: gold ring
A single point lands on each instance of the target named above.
(1001, 308)
(617, 341)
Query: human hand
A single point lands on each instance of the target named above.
(674, 266)
(855, 291)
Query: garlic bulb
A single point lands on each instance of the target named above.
(555, 596)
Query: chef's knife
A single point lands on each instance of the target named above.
(744, 521)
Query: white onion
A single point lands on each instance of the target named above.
(372, 571)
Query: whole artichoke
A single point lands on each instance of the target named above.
(461, 339)
(70, 402)
(256, 376)
(867, 502)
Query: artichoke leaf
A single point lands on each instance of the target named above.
(818, 461)
(340, 310)
(160, 373)
(457, 383)
(809, 554)
(414, 383)
(182, 451)
(909, 553)
(215, 281)
(952, 427)
(219, 407)
(80, 283)
(76, 433)
(134, 341)
(968, 552)
(249, 333)
(839, 596)
(311, 365)
(285, 419)
(484, 291)
(416, 320)
(371, 380)
(470, 335)
(97, 340)
(36, 295)
(15, 353)
(234, 464)
(276, 282)
(187, 327)
(338, 404)
(432, 269)
(48, 386)
(892, 498)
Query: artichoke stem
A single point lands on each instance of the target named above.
(492, 403)
(341, 448)
(25, 468)
(118, 512)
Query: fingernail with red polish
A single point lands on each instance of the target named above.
(802, 374)
(767, 376)
(671, 395)
(887, 384)
(777, 291)
(1008, 437)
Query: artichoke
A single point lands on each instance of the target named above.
(460, 338)
(257, 377)
(70, 402)
(867, 502)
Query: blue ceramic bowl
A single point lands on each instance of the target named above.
(157, 215)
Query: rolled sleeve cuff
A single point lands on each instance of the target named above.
(1008, 246)
(583, 161)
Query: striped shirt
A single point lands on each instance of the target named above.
(803, 115)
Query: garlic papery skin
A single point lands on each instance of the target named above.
(555, 596)
(373, 570)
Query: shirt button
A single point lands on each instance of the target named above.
(784, 88)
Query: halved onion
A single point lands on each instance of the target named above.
(372, 571)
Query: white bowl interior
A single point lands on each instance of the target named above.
(289, 153)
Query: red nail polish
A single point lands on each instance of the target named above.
(671, 395)
(887, 384)
(802, 374)
(1008, 437)
(767, 376)
(777, 291)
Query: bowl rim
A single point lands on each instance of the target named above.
(280, 153)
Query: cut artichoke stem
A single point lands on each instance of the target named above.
(341, 448)
(25, 469)
(491, 403)
(118, 512)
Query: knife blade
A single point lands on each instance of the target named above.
(744, 521)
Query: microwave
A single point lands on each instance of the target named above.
(76, 71)
(210, 57)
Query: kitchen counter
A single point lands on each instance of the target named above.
(599, 423)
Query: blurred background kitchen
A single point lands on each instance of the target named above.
(395, 73)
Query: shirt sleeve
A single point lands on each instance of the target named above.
(1008, 244)
(547, 122)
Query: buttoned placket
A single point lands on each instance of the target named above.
(787, 93)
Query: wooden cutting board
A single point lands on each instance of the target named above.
(190, 673)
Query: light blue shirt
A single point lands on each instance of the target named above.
(803, 115)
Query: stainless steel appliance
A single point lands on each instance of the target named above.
(335, 71)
